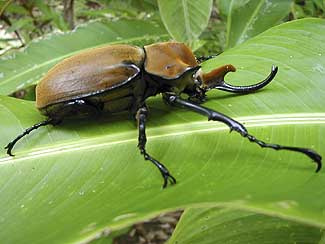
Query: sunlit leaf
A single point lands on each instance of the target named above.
(251, 17)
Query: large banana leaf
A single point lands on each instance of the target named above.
(218, 226)
(25, 68)
(83, 179)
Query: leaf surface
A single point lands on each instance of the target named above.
(82, 179)
(217, 226)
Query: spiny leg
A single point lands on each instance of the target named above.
(236, 126)
(141, 119)
(11, 144)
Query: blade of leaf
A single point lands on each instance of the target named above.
(251, 17)
(90, 173)
(23, 69)
(218, 226)
(186, 19)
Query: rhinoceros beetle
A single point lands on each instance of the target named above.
(120, 77)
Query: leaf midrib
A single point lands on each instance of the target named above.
(186, 20)
(159, 132)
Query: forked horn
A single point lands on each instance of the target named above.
(215, 80)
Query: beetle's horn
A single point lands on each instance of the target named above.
(215, 79)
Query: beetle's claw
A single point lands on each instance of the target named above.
(9, 148)
(319, 166)
(314, 156)
(318, 160)
(169, 177)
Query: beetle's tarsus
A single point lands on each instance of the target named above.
(238, 127)
(248, 89)
(308, 152)
(163, 170)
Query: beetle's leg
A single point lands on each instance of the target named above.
(141, 119)
(238, 127)
(215, 80)
(11, 144)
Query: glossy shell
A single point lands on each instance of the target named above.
(89, 73)
(169, 60)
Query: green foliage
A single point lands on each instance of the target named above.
(222, 225)
(191, 16)
(246, 19)
(303, 9)
(83, 178)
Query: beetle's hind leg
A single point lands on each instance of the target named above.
(238, 127)
(141, 117)
(75, 108)
(11, 144)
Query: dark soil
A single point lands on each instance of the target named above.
(154, 231)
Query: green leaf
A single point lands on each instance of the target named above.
(76, 181)
(218, 226)
(25, 68)
(186, 19)
(223, 7)
(49, 13)
(251, 17)
(19, 24)
(320, 4)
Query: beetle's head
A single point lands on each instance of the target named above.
(186, 81)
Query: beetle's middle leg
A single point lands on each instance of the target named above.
(238, 127)
(141, 117)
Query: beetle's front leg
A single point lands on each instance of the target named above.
(141, 117)
(238, 127)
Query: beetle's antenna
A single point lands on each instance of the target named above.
(11, 144)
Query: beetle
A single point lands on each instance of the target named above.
(120, 77)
